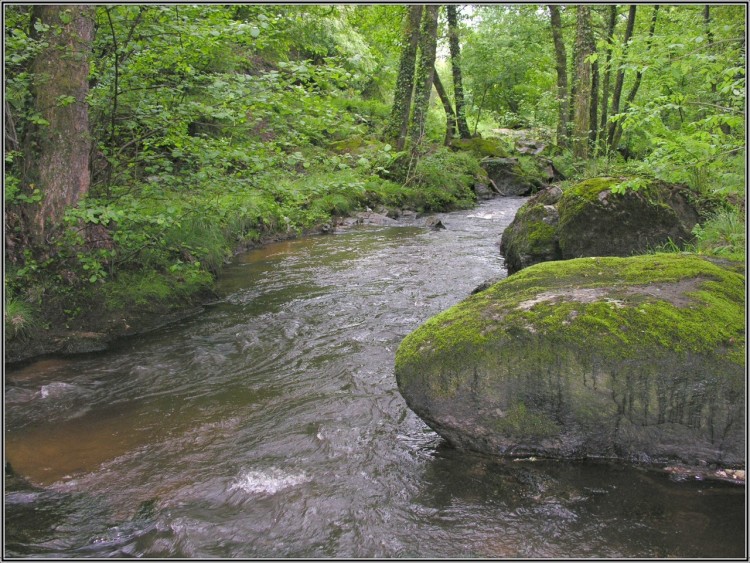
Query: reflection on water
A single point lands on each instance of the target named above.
(270, 426)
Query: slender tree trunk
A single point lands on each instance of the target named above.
(594, 110)
(398, 125)
(451, 127)
(607, 71)
(583, 80)
(638, 77)
(458, 87)
(620, 77)
(481, 107)
(424, 74)
(59, 149)
(561, 64)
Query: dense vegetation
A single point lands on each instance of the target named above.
(200, 129)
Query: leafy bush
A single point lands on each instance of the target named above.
(444, 180)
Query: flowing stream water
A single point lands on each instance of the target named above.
(269, 424)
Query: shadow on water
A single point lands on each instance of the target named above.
(270, 425)
(579, 509)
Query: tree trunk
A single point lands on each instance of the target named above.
(637, 83)
(479, 110)
(594, 103)
(424, 74)
(620, 77)
(582, 100)
(451, 128)
(607, 71)
(398, 125)
(458, 87)
(59, 146)
(562, 76)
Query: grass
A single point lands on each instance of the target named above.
(723, 234)
(20, 318)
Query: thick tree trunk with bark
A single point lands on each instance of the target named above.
(583, 80)
(424, 74)
(620, 77)
(458, 87)
(561, 63)
(451, 128)
(58, 161)
(398, 125)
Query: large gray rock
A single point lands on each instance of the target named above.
(637, 358)
(590, 220)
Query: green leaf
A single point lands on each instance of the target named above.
(64, 101)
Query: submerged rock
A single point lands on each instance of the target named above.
(636, 358)
(589, 220)
(434, 223)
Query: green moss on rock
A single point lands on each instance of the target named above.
(638, 357)
(492, 147)
(532, 235)
(594, 221)
(349, 145)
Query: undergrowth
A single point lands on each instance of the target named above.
(167, 245)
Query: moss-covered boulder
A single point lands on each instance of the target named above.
(489, 147)
(594, 221)
(350, 145)
(639, 358)
(532, 236)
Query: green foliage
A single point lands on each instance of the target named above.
(444, 180)
(509, 66)
(687, 122)
(631, 184)
(132, 289)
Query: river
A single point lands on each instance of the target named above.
(269, 425)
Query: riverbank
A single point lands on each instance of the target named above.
(64, 311)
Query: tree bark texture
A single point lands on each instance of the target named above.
(458, 87)
(620, 77)
(561, 63)
(60, 149)
(584, 47)
(398, 125)
(424, 74)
